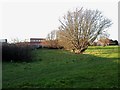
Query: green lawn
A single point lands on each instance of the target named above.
(96, 68)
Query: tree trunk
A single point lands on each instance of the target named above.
(77, 51)
(80, 51)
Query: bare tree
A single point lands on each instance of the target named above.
(51, 35)
(81, 27)
(63, 40)
(52, 40)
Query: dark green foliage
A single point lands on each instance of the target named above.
(13, 52)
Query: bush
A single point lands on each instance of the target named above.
(13, 52)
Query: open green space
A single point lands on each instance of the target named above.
(96, 68)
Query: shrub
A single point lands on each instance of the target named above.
(17, 52)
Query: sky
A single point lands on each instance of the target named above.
(25, 19)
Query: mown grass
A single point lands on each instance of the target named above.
(96, 68)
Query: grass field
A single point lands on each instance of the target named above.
(96, 68)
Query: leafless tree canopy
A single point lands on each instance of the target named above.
(81, 27)
(52, 40)
(51, 35)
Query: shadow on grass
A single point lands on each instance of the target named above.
(62, 69)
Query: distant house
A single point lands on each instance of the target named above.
(3, 41)
(106, 42)
(38, 42)
(103, 42)
(99, 43)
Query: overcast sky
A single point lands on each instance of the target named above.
(24, 19)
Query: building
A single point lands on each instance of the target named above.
(38, 42)
(106, 42)
(3, 41)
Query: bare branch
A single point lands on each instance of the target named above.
(81, 27)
